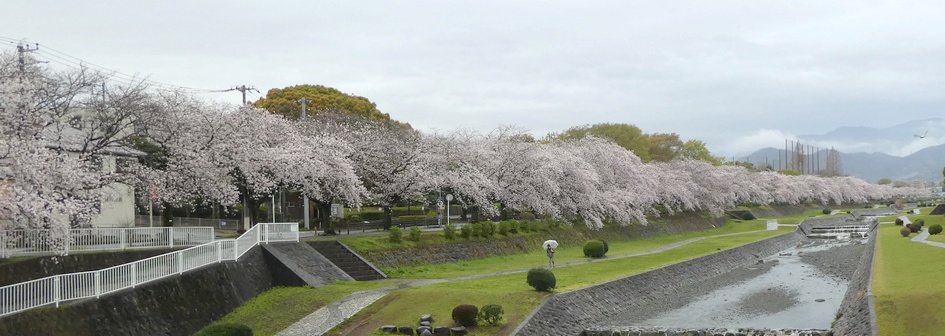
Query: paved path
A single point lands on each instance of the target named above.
(326, 318)
(923, 235)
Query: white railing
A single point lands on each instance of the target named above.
(39, 242)
(57, 289)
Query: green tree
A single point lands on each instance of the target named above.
(624, 135)
(695, 149)
(884, 180)
(319, 99)
(664, 147)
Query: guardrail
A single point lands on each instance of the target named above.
(39, 242)
(55, 290)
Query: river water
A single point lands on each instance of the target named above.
(791, 294)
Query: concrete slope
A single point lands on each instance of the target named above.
(302, 265)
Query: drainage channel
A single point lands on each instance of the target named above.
(795, 292)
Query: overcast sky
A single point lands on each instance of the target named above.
(739, 75)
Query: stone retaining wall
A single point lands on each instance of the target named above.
(32, 268)
(179, 305)
(469, 250)
(649, 331)
(571, 312)
(857, 314)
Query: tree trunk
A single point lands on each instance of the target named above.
(387, 221)
(323, 217)
(473, 214)
(167, 215)
(503, 213)
(463, 213)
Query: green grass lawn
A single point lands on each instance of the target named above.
(280, 307)
(537, 257)
(908, 284)
(403, 307)
(817, 213)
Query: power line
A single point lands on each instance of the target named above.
(58, 57)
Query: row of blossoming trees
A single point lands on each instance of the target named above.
(231, 154)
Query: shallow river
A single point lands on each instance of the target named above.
(791, 294)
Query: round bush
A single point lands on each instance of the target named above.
(526, 216)
(491, 313)
(465, 315)
(488, 228)
(541, 279)
(226, 329)
(449, 231)
(935, 229)
(899, 221)
(594, 249)
(905, 232)
(466, 231)
(606, 247)
(748, 216)
(825, 211)
(416, 233)
(396, 235)
(920, 222)
(913, 227)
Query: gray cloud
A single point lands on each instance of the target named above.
(721, 72)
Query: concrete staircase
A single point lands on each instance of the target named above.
(304, 262)
(348, 260)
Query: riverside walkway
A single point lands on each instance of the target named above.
(326, 318)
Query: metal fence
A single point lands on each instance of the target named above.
(40, 242)
(216, 223)
(57, 289)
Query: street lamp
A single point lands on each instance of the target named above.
(449, 198)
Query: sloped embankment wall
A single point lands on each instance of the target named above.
(179, 305)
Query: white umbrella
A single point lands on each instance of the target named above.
(549, 244)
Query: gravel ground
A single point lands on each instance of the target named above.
(839, 261)
(776, 293)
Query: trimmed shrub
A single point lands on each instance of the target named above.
(396, 235)
(226, 329)
(466, 231)
(935, 229)
(606, 248)
(488, 228)
(913, 227)
(491, 313)
(416, 234)
(449, 231)
(514, 226)
(594, 249)
(475, 229)
(465, 315)
(905, 232)
(899, 221)
(431, 215)
(542, 279)
(825, 211)
(526, 216)
(748, 216)
(920, 222)
(503, 229)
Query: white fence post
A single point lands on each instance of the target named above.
(219, 247)
(170, 237)
(56, 293)
(98, 284)
(180, 263)
(122, 238)
(134, 275)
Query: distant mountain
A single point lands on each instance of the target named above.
(897, 140)
(925, 164)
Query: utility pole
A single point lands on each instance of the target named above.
(21, 50)
(303, 101)
(242, 89)
(305, 208)
(247, 221)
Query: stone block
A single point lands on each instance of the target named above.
(441, 331)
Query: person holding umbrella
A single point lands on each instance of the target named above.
(550, 246)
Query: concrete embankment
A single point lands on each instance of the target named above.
(857, 314)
